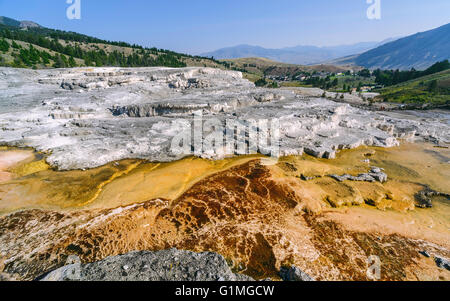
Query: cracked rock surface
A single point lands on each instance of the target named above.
(87, 117)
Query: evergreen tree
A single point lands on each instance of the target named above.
(45, 57)
(359, 87)
(72, 62)
(15, 45)
(261, 82)
(59, 61)
(4, 45)
(433, 86)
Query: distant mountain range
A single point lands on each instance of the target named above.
(418, 51)
(14, 23)
(302, 55)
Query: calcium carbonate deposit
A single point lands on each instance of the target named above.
(87, 117)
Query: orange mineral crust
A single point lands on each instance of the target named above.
(259, 216)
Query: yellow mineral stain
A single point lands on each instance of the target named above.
(115, 175)
(409, 167)
(165, 181)
(56, 190)
(116, 184)
(31, 168)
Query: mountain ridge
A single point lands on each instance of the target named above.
(301, 55)
(21, 24)
(419, 51)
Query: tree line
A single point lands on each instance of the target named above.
(395, 77)
(50, 39)
(140, 57)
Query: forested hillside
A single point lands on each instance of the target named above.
(39, 47)
(394, 77)
(429, 89)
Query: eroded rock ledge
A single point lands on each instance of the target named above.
(375, 174)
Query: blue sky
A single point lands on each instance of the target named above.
(197, 26)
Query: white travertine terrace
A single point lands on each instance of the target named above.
(87, 117)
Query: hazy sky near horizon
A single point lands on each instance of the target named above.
(198, 26)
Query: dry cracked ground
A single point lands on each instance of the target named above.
(103, 182)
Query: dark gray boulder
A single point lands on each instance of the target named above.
(167, 265)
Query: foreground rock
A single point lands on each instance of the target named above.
(167, 265)
(293, 273)
(87, 117)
